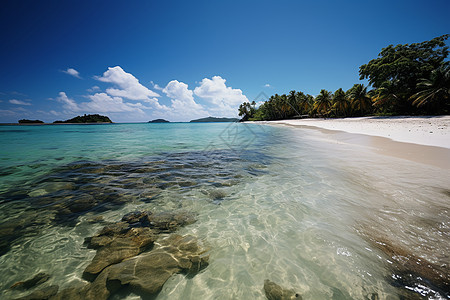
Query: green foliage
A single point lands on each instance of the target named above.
(360, 100)
(214, 119)
(322, 104)
(341, 104)
(407, 79)
(159, 121)
(96, 118)
(247, 110)
(434, 92)
(399, 69)
(25, 121)
(405, 64)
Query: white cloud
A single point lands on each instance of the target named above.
(19, 102)
(225, 99)
(93, 89)
(99, 103)
(103, 103)
(183, 103)
(68, 104)
(129, 86)
(156, 86)
(267, 85)
(211, 97)
(72, 72)
(178, 90)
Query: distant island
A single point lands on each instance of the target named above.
(96, 118)
(159, 121)
(214, 119)
(25, 121)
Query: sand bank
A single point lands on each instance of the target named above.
(430, 131)
(421, 139)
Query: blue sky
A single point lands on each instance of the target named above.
(179, 60)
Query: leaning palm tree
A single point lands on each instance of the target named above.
(323, 102)
(341, 103)
(360, 99)
(434, 91)
(292, 101)
(386, 95)
(304, 103)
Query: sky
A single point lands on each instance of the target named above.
(135, 61)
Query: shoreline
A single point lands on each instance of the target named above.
(39, 124)
(420, 139)
(427, 130)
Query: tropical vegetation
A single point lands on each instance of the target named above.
(26, 121)
(95, 118)
(410, 79)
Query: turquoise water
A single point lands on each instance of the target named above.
(331, 221)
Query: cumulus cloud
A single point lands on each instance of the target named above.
(19, 102)
(225, 99)
(128, 85)
(211, 97)
(182, 99)
(156, 86)
(72, 72)
(179, 90)
(267, 85)
(68, 104)
(101, 102)
(93, 89)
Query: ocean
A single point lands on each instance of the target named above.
(326, 219)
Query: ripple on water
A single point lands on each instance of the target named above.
(302, 215)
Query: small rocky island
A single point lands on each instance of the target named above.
(214, 119)
(159, 121)
(25, 121)
(95, 118)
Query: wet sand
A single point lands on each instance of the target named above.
(420, 139)
(426, 130)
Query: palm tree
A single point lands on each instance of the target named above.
(386, 95)
(360, 99)
(303, 103)
(292, 101)
(434, 91)
(323, 102)
(341, 103)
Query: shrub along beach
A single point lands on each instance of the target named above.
(410, 79)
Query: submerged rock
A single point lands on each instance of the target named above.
(42, 294)
(32, 282)
(117, 242)
(146, 273)
(134, 234)
(275, 292)
(170, 221)
(410, 270)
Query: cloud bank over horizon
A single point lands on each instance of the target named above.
(127, 99)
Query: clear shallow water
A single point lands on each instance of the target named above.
(328, 220)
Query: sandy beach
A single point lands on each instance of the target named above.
(429, 131)
(421, 139)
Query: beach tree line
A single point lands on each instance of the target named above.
(410, 79)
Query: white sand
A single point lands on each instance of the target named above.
(430, 131)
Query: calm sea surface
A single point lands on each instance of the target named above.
(328, 220)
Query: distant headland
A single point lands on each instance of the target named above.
(25, 121)
(96, 118)
(214, 119)
(159, 121)
(85, 119)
